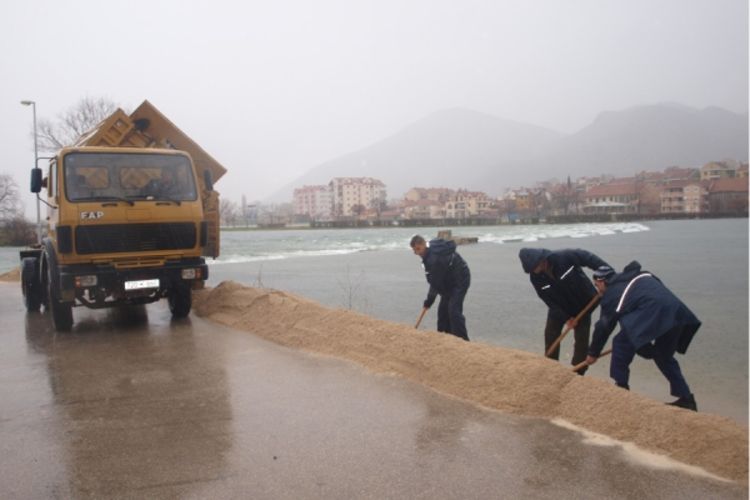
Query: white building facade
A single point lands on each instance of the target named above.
(352, 196)
(313, 201)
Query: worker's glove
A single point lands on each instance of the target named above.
(428, 303)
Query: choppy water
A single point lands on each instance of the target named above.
(705, 262)
(256, 246)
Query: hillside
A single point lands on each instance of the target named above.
(461, 148)
(452, 148)
(652, 138)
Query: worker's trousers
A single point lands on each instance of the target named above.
(554, 328)
(662, 351)
(451, 311)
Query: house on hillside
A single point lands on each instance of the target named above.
(728, 196)
(423, 209)
(438, 195)
(613, 198)
(684, 196)
(719, 170)
(465, 204)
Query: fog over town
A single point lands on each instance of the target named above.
(272, 90)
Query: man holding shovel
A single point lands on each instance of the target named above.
(448, 275)
(559, 280)
(654, 324)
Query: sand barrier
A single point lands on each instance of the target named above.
(11, 276)
(501, 379)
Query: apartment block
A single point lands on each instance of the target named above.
(315, 202)
(352, 196)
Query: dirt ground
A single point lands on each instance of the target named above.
(501, 379)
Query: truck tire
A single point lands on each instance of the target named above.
(180, 300)
(62, 312)
(30, 284)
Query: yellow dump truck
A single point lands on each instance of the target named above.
(131, 212)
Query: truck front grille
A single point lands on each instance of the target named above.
(114, 238)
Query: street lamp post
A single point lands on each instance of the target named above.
(36, 160)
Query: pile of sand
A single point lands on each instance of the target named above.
(502, 379)
(12, 275)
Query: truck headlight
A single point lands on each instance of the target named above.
(191, 274)
(86, 281)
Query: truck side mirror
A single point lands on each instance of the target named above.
(208, 180)
(36, 180)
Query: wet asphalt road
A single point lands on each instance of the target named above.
(133, 405)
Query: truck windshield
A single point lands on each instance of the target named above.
(128, 177)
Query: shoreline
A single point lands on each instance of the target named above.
(438, 223)
(491, 377)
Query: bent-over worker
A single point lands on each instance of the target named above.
(654, 324)
(558, 279)
(448, 275)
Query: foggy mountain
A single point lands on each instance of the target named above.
(459, 148)
(649, 138)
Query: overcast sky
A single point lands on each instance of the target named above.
(271, 89)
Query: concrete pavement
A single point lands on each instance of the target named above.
(131, 404)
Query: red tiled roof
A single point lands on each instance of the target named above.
(729, 185)
(611, 190)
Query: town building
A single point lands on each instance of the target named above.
(353, 196)
(620, 197)
(684, 196)
(465, 204)
(719, 170)
(728, 196)
(314, 202)
(423, 209)
(438, 195)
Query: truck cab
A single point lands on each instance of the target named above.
(126, 225)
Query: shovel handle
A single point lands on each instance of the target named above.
(421, 315)
(567, 330)
(583, 363)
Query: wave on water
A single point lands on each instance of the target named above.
(576, 231)
(241, 259)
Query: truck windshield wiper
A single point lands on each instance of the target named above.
(112, 198)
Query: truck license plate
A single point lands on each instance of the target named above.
(141, 284)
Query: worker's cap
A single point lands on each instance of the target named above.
(603, 273)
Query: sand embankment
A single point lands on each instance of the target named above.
(11, 276)
(503, 379)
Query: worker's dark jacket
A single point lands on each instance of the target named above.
(645, 309)
(568, 290)
(444, 269)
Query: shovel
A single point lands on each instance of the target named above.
(583, 363)
(581, 314)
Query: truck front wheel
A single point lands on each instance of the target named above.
(180, 300)
(30, 284)
(62, 312)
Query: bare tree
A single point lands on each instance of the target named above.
(228, 212)
(351, 285)
(17, 232)
(10, 203)
(74, 122)
(14, 229)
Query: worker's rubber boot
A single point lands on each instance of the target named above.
(688, 403)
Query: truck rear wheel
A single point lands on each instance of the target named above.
(62, 312)
(180, 300)
(30, 284)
